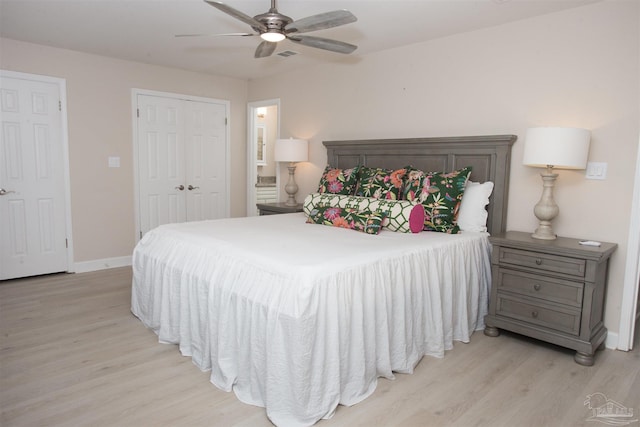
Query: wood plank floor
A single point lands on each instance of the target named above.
(72, 354)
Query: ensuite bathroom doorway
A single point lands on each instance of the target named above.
(263, 128)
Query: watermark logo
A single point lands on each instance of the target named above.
(608, 411)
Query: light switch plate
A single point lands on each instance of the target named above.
(596, 170)
(114, 162)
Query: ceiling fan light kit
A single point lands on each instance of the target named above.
(272, 36)
(274, 27)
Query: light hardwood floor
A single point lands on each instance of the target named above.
(72, 354)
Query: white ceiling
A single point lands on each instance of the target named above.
(144, 30)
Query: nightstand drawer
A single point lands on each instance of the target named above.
(562, 319)
(536, 286)
(542, 261)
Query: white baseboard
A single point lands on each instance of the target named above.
(102, 264)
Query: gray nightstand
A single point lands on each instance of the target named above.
(551, 290)
(277, 208)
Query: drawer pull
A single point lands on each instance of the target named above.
(534, 314)
(538, 261)
(536, 286)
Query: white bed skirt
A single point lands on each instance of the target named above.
(299, 318)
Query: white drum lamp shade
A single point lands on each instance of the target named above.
(291, 150)
(553, 147)
(563, 148)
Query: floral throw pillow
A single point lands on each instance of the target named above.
(401, 215)
(380, 183)
(364, 221)
(338, 181)
(441, 194)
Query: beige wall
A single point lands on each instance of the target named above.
(574, 68)
(99, 119)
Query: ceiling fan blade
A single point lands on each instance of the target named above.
(322, 43)
(321, 21)
(237, 14)
(265, 49)
(216, 35)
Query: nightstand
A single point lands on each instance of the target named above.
(551, 290)
(277, 208)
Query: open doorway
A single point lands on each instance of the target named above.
(263, 128)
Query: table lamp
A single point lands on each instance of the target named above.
(553, 147)
(291, 150)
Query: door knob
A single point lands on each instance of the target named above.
(180, 187)
(191, 187)
(4, 192)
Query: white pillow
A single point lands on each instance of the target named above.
(473, 215)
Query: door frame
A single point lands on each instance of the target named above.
(252, 162)
(134, 120)
(64, 140)
(629, 305)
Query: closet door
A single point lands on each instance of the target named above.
(182, 160)
(161, 162)
(206, 161)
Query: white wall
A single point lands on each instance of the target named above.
(100, 125)
(573, 68)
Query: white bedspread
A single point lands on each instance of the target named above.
(299, 318)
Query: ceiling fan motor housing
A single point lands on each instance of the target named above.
(274, 21)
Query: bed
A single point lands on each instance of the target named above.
(300, 318)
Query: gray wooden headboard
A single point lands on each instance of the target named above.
(488, 155)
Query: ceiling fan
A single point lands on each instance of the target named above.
(273, 27)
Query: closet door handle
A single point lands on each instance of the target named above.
(4, 192)
(180, 187)
(191, 187)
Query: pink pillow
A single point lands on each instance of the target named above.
(416, 219)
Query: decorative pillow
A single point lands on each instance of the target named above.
(380, 183)
(402, 216)
(473, 214)
(364, 221)
(338, 181)
(440, 194)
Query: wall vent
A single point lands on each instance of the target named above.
(287, 53)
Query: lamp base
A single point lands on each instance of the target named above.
(291, 201)
(544, 232)
(291, 188)
(546, 209)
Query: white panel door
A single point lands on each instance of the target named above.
(160, 161)
(32, 201)
(206, 160)
(182, 160)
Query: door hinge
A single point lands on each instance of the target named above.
(59, 105)
(137, 112)
(141, 234)
(226, 121)
(66, 243)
